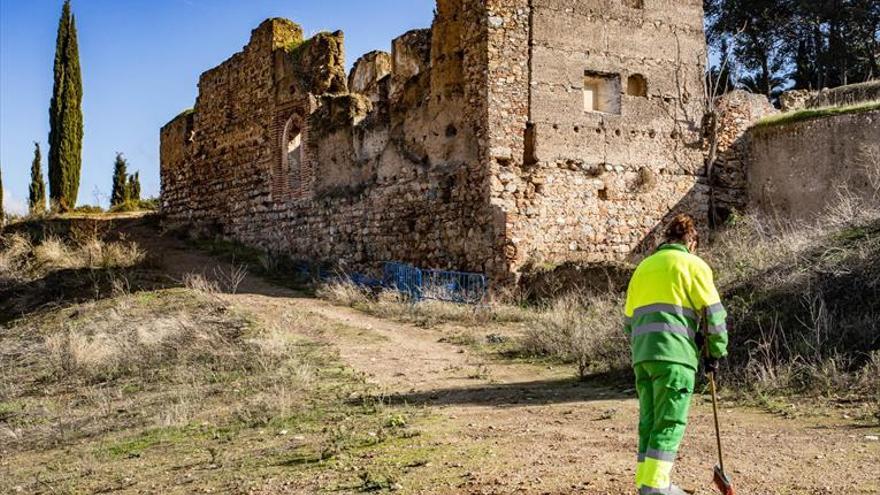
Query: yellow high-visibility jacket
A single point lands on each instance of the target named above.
(667, 293)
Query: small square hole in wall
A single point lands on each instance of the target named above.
(601, 92)
(637, 85)
(634, 4)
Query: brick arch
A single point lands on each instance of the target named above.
(291, 172)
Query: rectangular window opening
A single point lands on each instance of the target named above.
(601, 92)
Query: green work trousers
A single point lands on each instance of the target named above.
(665, 391)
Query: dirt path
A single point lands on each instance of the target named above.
(518, 428)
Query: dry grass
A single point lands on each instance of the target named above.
(169, 358)
(585, 331)
(198, 283)
(184, 380)
(427, 313)
(15, 254)
(803, 296)
(21, 259)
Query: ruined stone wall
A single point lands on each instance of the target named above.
(586, 185)
(852, 94)
(737, 112)
(278, 153)
(796, 170)
(470, 146)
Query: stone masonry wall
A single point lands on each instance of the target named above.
(391, 174)
(795, 170)
(589, 185)
(470, 146)
(737, 112)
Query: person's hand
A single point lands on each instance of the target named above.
(710, 365)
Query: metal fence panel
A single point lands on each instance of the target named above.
(404, 278)
(460, 287)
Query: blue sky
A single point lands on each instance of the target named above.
(141, 61)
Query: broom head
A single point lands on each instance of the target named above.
(722, 483)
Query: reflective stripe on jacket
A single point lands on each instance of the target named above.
(667, 292)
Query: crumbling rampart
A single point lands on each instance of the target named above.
(511, 132)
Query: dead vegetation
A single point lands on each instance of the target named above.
(93, 382)
(164, 374)
(427, 313)
(582, 330)
(804, 300)
(41, 268)
(23, 260)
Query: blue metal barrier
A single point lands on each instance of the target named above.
(413, 282)
(403, 278)
(418, 284)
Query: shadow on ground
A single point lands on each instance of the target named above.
(538, 392)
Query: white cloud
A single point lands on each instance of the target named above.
(12, 204)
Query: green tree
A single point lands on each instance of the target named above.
(2, 211)
(120, 176)
(37, 189)
(65, 116)
(756, 32)
(834, 42)
(135, 187)
(807, 44)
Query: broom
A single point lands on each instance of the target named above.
(720, 478)
(721, 481)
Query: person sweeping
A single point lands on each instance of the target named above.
(667, 296)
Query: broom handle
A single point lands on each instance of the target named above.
(717, 427)
(704, 321)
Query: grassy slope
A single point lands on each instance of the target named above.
(128, 385)
(802, 323)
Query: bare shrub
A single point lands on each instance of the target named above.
(868, 382)
(870, 165)
(270, 262)
(847, 209)
(583, 331)
(53, 254)
(229, 279)
(197, 282)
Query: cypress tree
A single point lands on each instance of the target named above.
(37, 190)
(2, 211)
(65, 116)
(117, 196)
(135, 194)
